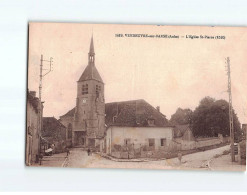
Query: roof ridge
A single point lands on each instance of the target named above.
(126, 101)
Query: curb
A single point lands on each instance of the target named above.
(130, 160)
(65, 162)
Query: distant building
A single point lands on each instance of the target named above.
(184, 132)
(34, 115)
(54, 132)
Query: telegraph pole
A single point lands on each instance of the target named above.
(41, 75)
(41, 72)
(230, 109)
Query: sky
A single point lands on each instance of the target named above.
(166, 72)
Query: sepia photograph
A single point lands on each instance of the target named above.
(136, 97)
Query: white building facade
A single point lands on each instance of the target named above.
(136, 142)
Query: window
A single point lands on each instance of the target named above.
(98, 89)
(163, 142)
(151, 122)
(84, 89)
(151, 142)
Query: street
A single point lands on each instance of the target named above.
(79, 158)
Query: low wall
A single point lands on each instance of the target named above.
(207, 142)
(201, 142)
(173, 146)
(186, 145)
(144, 151)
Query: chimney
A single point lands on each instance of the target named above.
(33, 93)
(158, 108)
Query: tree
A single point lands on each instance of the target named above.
(181, 116)
(211, 118)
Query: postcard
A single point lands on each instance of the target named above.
(136, 96)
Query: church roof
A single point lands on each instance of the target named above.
(69, 113)
(90, 73)
(132, 113)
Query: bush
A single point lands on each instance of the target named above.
(117, 147)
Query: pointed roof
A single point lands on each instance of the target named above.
(91, 72)
(91, 49)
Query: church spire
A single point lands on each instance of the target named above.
(91, 54)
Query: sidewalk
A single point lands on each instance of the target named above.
(224, 163)
(56, 160)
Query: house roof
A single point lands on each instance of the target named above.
(33, 100)
(50, 126)
(51, 120)
(133, 113)
(130, 113)
(179, 130)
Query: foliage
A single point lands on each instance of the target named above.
(211, 118)
(181, 117)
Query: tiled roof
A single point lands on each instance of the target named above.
(179, 130)
(133, 113)
(51, 127)
(130, 113)
(69, 113)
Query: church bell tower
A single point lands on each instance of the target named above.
(89, 118)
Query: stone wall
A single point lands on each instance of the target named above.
(204, 142)
(201, 142)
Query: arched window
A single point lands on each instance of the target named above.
(84, 89)
(69, 131)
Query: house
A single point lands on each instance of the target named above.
(33, 118)
(136, 129)
(54, 132)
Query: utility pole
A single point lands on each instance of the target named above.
(41, 72)
(230, 109)
(40, 111)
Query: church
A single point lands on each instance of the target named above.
(86, 122)
(91, 122)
